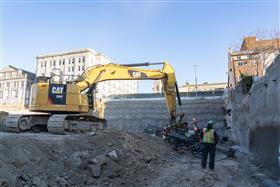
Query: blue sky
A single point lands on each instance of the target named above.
(185, 33)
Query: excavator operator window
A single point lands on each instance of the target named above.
(42, 79)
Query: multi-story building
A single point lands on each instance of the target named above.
(203, 87)
(15, 87)
(67, 66)
(254, 57)
(157, 87)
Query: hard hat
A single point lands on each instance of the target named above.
(210, 122)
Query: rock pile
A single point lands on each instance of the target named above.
(110, 157)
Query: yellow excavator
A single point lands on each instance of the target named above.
(62, 108)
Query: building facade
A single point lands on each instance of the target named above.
(15, 87)
(203, 87)
(67, 66)
(157, 87)
(254, 57)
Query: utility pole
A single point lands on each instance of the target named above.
(195, 78)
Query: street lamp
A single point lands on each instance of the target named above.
(195, 78)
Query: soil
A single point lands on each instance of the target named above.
(110, 158)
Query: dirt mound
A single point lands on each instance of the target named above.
(112, 158)
(109, 157)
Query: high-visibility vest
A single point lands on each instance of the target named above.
(208, 136)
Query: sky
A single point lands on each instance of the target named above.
(185, 33)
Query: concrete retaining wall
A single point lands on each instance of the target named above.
(256, 119)
(136, 115)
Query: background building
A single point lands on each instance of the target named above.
(254, 57)
(69, 65)
(203, 87)
(15, 87)
(157, 87)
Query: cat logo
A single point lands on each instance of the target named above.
(136, 74)
(57, 90)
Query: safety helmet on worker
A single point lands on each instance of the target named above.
(210, 123)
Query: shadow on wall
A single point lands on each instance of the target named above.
(265, 145)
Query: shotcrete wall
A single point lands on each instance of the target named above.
(256, 119)
(136, 115)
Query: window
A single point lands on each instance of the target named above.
(63, 61)
(68, 69)
(83, 68)
(59, 62)
(79, 59)
(22, 83)
(69, 61)
(41, 64)
(239, 58)
(240, 63)
(8, 75)
(73, 60)
(79, 68)
(84, 58)
(45, 64)
(8, 84)
(73, 68)
(14, 93)
(50, 63)
(14, 74)
(54, 63)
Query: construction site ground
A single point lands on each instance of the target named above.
(111, 158)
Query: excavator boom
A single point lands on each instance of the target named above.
(94, 75)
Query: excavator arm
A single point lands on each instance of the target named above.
(100, 73)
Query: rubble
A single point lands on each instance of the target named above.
(43, 159)
(134, 159)
(113, 155)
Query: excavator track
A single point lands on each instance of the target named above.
(10, 124)
(55, 124)
(25, 122)
(74, 123)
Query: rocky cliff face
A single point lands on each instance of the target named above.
(255, 119)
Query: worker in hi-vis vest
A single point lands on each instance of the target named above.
(209, 139)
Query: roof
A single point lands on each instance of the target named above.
(12, 68)
(206, 84)
(105, 56)
(251, 43)
(85, 50)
